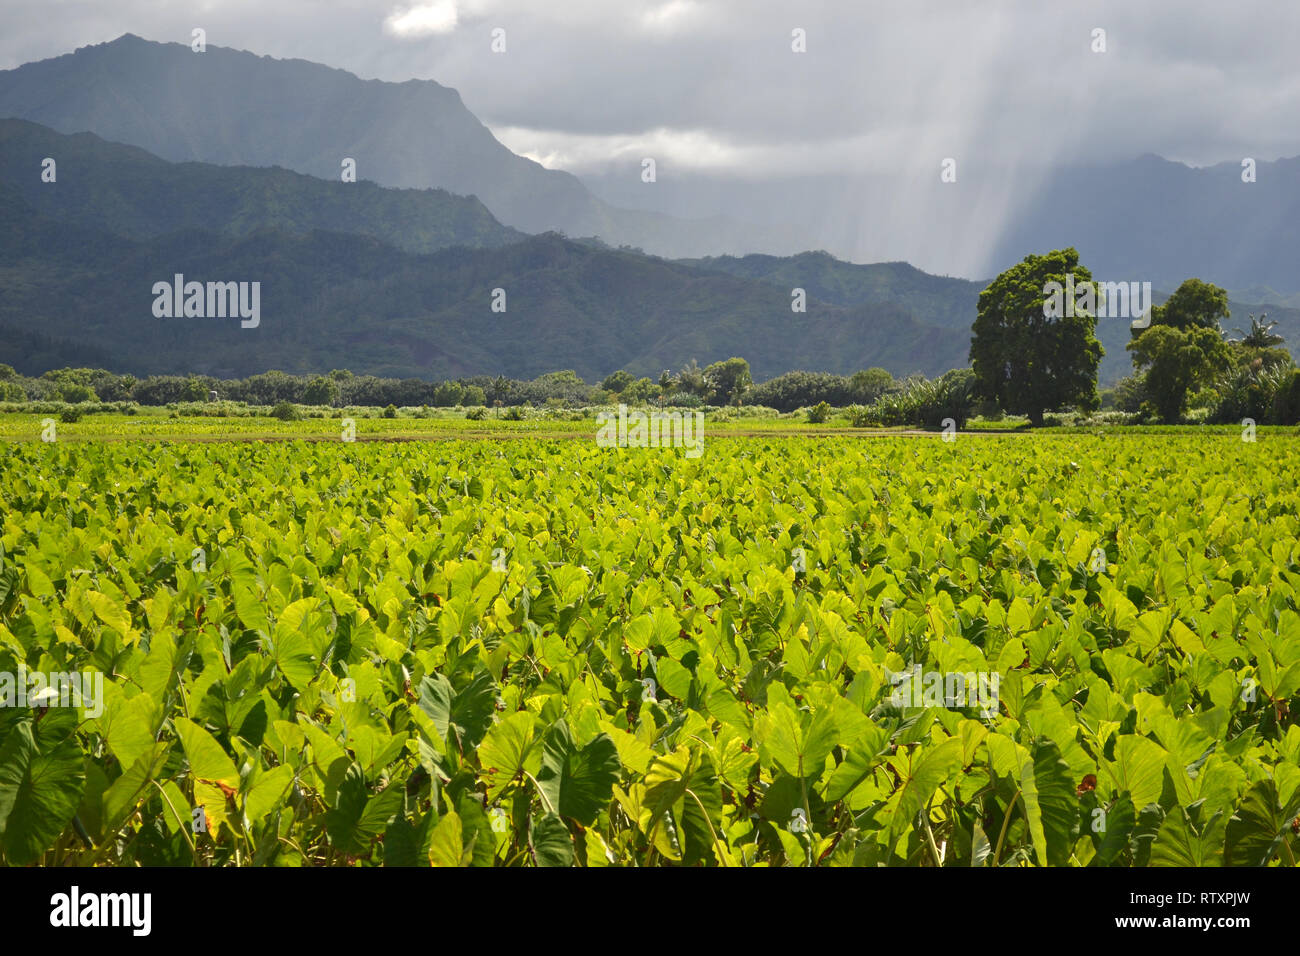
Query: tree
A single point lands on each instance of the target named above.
(1257, 350)
(499, 390)
(1194, 304)
(449, 394)
(321, 391)
(691, 379)
(1261, 334)
(1183, 348)
(1176, 361)
(870, 383)
(1031, 349)
(639, 392)
(617, 381)
(801, 389)
(728, 381)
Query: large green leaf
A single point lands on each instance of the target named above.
(295, 655)
(929, 769)
(1111, 830)
(1260, 828)
(685, 784)
(1050, 804)
(266, 792)
(577, 782)
(550, 841)
(1181, 843)
(1140, 768)
(128, 790)
(408, 845)
(799, 743)
(357, 817)
(447, 845)
(466, 713)
(42, 776)
(207, 760)
(507, 751)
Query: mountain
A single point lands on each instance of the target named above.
(939, 300)
(333, 300)
(951, 304)
(231, 107)
(132, 193)
(399, 282)
(1162, 222)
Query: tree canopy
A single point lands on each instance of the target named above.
(1026, 359)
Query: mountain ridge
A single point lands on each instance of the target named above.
(212, 107)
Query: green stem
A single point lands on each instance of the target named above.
(1006, 823)
(716, 842)
(184, 828)
(929, 835)
(807, 810)
(540, 792)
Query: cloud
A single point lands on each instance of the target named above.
(578, 152)
(421, 20)
(713, 90)
(670, 17)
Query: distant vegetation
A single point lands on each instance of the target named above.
(1186, 371)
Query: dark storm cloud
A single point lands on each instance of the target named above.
(1196, 81)
(713, 90)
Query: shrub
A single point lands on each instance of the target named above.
(928, 403)
(476, 414)
(284, 411)
(1286, 399)
(819, 413)
(683, 400)
(70, 415)
(77, 394)
(861, 416)
(390, 411)
(1256, 393)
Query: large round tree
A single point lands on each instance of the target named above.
(1033, 347)
(1183, 348)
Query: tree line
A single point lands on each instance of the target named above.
(1026, 359)
(722, 383)
(1030, 360)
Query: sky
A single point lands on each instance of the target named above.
(715, 91)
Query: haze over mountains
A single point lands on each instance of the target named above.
(1146, 219)
(81, 255)
(235, 108)
(180, 177)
